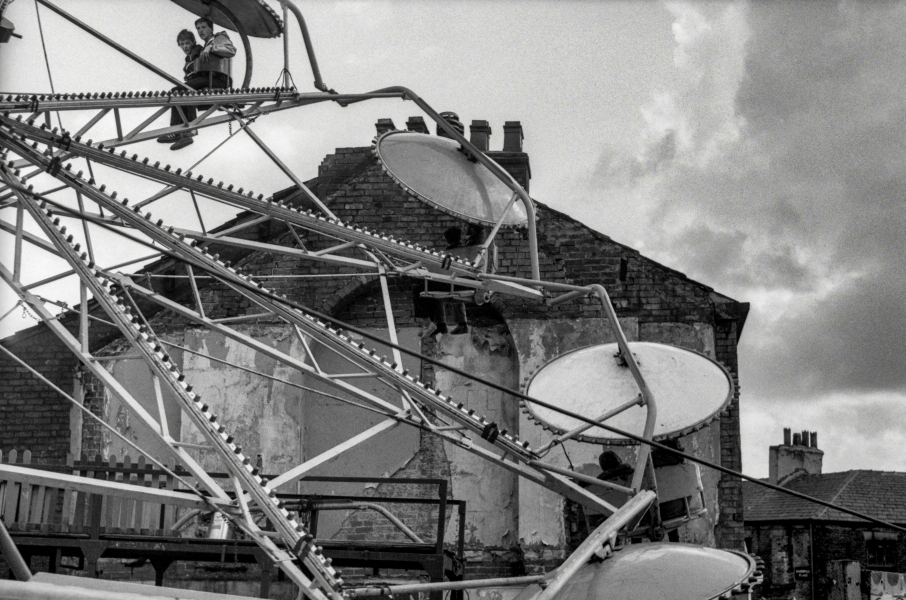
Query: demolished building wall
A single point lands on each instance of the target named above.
(512, 526)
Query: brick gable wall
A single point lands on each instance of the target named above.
(353, 185)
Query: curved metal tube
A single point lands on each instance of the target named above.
(10, 552)
(481, 157)
(237, 25)
(650, 405)
(178, 525)
(378, 508)
(594, 543)
(319, 84)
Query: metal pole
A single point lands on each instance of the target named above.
(377, 508)
(650, 404)
(17, 257)
(237, 25)
(319, 84)
(580, 477)
(472, 584)
(585, 426)
(13, 558)
(288, 172)
(594, 543)
(113, 44)
(285, 46)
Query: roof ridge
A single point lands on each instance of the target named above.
(823, 512)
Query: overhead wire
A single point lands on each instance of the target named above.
(507, 391)
(103, 423)
(189, 487)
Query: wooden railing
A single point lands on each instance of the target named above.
(50, 509)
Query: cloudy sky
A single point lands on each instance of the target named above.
(757, 147)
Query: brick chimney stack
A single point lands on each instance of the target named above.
(798, 455)
(384, 125)
(480, 135)
(512, 136)
(417, 124)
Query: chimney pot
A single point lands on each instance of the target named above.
(512, 136)
(480, 135)
(384, 125)
(417, 124)
(453, 119)
(795, 457)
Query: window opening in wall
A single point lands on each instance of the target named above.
(880, 550)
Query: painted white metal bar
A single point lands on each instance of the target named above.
(583, 478)
(308, 352)
(287, 171)
(119, 125)
(638, 401)
(242, 318)
(351, 375)
(100, 486)
(141, 126)
(337, 248)
(483, 253)
(89, 246)
(75, 345)
(58, 276)
(30, 238)
(650, 403)
(290, 530)
(83, 317)
(292, 230)
(85, 128)
(254, 344)
(605, 534)
(198, 303)
(299, 471)
(161, 411)
(442, 586)
(17, 257)
(322, 256)
(13, 558)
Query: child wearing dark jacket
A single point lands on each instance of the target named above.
(186, 41)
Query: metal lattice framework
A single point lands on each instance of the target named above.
(34, 151)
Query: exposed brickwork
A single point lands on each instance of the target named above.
(32, 415)
(729, 531)
(352, 184)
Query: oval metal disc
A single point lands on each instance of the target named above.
(658, 571)
(435, 171)
(256, 17)
(689, 390)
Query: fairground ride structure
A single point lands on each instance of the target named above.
(673, 393)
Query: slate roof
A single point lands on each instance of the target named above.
(879, 494)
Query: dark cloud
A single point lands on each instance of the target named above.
(804, 211)
(848, 342)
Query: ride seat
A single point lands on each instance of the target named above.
(214, 64)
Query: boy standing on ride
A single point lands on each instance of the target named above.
(206, 67)
(216, 46)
